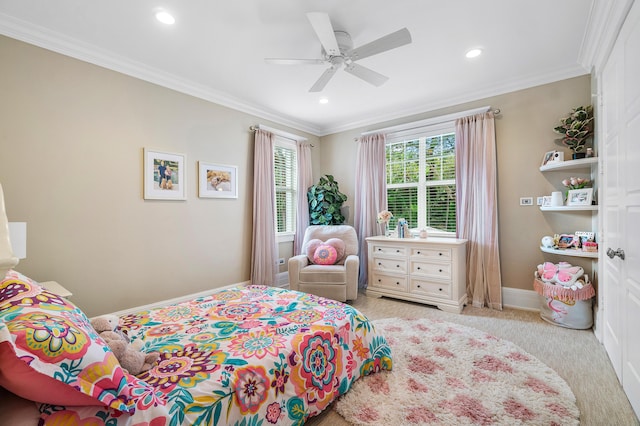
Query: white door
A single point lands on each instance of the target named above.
(620, 148)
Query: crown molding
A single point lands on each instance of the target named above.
(603, 25)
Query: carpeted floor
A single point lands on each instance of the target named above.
(576, 355)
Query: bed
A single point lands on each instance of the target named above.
(249, 355)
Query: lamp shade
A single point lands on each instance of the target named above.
(18, 239)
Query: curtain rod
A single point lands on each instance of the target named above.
(430, 121)
(277, 132)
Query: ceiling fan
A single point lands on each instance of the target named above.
(337, 50)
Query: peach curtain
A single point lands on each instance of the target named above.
(305, 180)
(370, 194)
(264, 252)
(477, 207)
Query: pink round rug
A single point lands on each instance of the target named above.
(449, 374)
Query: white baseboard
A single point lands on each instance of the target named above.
(527, 300)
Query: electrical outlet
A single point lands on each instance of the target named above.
(539, 201)
(526, 201)
(281, 261)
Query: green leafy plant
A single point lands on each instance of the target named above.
(325, 201)
(576, 128)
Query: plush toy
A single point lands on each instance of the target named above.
(563, 273)
(129, 355)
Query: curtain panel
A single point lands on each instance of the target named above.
(305, 180)
(370, 194)
(477, 207)
(264, 251)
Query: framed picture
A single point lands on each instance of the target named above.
(164, 175)
(217, 180)
(580, 197)
(568, 241)
(546, 201)
(548, 156)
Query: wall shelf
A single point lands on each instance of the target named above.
(583, 163)
(570, 252)
(568, 208)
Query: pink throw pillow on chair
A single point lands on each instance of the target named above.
(336, 243)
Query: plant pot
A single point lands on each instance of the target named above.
(578, 155)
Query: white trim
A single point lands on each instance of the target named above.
(282, 134)
(526, 300)
(176, 300)
(428, 121)
(284, 237)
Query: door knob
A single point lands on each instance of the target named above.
(611, 253)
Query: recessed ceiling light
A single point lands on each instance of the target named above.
(165, 17)
(473, 53)
(324, 101)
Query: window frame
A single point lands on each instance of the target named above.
(281, 142)
(421, 134)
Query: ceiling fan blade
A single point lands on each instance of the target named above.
(388, 42)
(324, 79)
(285, 61)
(324, 30)
(368, 75)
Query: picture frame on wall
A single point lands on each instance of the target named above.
(580, 197)
(217, 180)
(164, 175)
(548, 156)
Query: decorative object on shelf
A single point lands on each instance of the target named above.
(580, 197)
(556, 199)
(552, 157)
(568, 241)
(325, 202)
(402, 230)
(423, 233)
(547, 241)
(383, 219)
(576, 183)
(589, 153)
(576, 128)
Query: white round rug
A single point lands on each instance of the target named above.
(449, 374)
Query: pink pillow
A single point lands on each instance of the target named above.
(325, 255)
(72, 366)
(336, 243)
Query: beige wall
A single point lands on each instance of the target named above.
(71, 166)
(524, 132)
(71, 143)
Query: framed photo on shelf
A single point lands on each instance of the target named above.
(546, 201)
(217, 180)
(548, 156)
(164, 175)
(580, 197)
(568, 241)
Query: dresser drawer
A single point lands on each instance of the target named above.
(437, 270)
(382, 264)
(387, 250)
(431, 253)
(388, 282)
(429, 288)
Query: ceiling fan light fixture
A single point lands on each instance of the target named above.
(165, 17)
(473, 53)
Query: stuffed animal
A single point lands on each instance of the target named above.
(130, 356)
(563, 273)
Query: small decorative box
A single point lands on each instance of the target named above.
(590, 246)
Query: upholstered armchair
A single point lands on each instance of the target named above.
(337, 281)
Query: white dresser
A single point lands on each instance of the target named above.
(431, 270)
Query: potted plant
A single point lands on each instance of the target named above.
(576, 128)
(325, 201)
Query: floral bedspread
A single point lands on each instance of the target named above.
(251, 355)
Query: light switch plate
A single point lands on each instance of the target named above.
(526, 201)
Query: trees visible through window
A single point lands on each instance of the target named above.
(421, 179)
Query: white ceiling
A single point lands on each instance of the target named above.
(216, 50)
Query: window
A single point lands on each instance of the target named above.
(286, 180)
(421, 177)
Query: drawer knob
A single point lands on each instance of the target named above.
(439, 254)
(379, 249)
(379, 263)
(439, 289)
(418, 285)
(397, 282)
(418, 268)
(440, 270)
(397, 251)
(397, 266)
(418, 252)
(379, 280)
